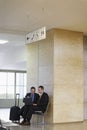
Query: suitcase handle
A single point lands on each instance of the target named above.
(17, 97)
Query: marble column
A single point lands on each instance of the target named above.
(57, 64)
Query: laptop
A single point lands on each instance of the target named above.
(27, 100)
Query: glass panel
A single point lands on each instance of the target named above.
(25, 90)
(3, 78)
(10, 79)
(10, 92)
(19, 78)
(21, 84)
(7, 84)
(20, 89)
(3, 92)
(25, 79)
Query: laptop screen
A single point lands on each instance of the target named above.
(27, 101)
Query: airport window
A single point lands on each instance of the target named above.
(21, 84)
(12, 83)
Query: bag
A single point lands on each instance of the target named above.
(14, 111)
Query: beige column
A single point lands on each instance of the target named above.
(40, 68)
(85, 77)
(46, 70)
(57, 64)
(32, 65)
(68, 76)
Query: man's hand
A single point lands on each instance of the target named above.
(34, 104)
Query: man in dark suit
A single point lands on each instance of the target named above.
(41, 105)
(34, 96)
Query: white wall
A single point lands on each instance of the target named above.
(13, 54)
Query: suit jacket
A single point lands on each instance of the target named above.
(43, 101)
(36, 97)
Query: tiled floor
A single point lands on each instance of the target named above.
(4, 115)
(70, 126)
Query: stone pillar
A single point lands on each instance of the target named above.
(32, 65)
(57, 64)
(68, 76)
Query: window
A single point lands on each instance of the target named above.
(12, 83)
(21, 84)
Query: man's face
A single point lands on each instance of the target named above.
(32, 90)
(40, 91)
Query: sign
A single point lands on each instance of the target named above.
(36, 35)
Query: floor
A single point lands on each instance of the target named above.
(4, 115)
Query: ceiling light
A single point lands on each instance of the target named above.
(3, 41)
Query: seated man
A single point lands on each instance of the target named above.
(40, 106)
(34, 96)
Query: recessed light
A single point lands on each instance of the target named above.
(3, 41)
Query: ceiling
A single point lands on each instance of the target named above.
(18, 17)
(24, 16)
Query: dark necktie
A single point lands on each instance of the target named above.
(32, 96)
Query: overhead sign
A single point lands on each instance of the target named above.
(36, 35)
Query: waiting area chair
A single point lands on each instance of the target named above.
(41, 115)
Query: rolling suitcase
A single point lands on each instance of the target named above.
(14, 111)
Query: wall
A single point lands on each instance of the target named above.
(46, 69)
(13, 54)
(68, 76)
(32, 65)
(85, 77)
(40, 67)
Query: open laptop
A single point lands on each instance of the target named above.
(27, 100)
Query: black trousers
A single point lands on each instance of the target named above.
(24, 111)
(31, 111)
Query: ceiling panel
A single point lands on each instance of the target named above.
(27, 15)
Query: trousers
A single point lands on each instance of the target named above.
(31, 111)
(24, 110)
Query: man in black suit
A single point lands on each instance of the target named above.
(41, 105)
(34, 96)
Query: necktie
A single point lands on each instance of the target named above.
(32, 96)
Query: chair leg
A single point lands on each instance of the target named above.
(43, 119)
(40, 120)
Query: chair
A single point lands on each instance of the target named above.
(40, 113)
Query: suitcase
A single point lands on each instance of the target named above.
(14, 111)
